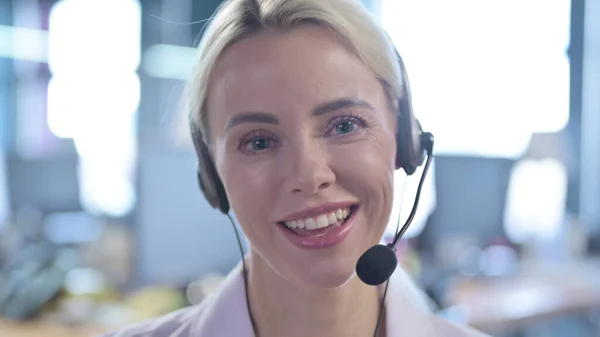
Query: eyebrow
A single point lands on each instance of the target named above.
(341, 103)
(251, 117)
(322, 109)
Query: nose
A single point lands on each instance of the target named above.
(307, 171)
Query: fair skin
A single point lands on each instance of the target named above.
(292, 159)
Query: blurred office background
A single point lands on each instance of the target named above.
(102, 223)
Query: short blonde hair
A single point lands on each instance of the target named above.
(236, 19)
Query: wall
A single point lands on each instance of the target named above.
(5, 90)
(6, 79)
(589, 197)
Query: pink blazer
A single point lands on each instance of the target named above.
(224, 314)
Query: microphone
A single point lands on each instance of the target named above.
(379, 262)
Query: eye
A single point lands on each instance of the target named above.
(345, 125)
(260, 144)
(256, 142)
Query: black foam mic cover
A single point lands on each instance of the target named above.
(376, 265)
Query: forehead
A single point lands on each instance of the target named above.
(275, 71)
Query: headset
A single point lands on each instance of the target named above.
(379, 262)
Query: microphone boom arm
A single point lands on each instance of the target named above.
(427, 141)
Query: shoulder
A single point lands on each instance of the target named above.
(220, 314)
(180, 323)
(411, 311)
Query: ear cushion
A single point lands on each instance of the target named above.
(208, 178)
(409, 151)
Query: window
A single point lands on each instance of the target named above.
(484, 75)
(94, 93)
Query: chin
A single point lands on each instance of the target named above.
(329, 268)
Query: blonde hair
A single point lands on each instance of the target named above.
(236, 19)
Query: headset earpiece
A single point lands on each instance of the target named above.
(410, 153)
(208, 178)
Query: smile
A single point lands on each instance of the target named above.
(311, 225)
(320, 228)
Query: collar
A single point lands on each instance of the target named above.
(225, 312)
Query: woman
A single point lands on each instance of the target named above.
(296, 102)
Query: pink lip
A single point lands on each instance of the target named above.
(315, 211)
(328, 240)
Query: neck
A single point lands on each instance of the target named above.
(280, 308)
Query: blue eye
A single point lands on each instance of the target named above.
(260, 144)
(345, 127)
(257, 141)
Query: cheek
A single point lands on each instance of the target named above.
(244, 182)
(367, 170)
(373, 157)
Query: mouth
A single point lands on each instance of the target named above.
(320, 231)
(320, 225)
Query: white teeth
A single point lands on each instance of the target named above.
(310, 223)
(321, 221)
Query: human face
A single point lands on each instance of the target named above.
(301, 127)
